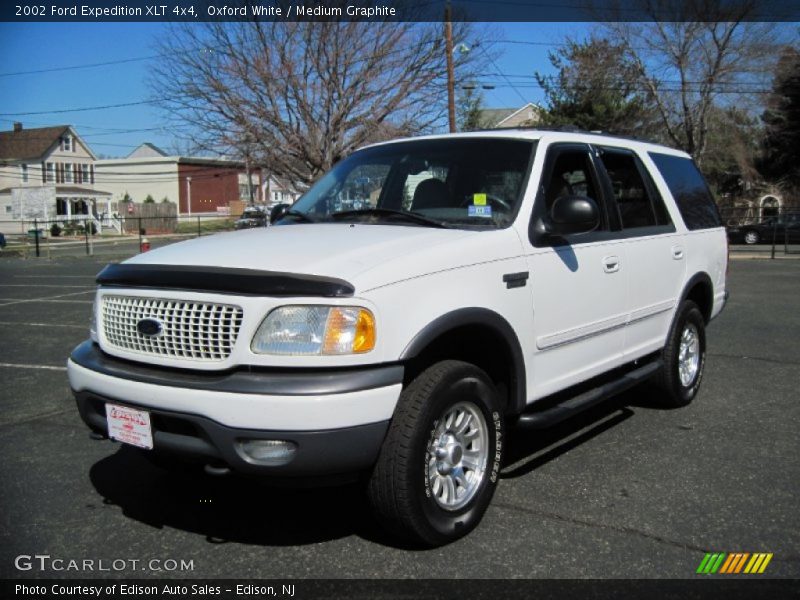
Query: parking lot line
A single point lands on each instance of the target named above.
(84, 287)
(24, 366)
(9, 301)
(43, 324)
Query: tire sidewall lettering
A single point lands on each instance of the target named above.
(428, 456)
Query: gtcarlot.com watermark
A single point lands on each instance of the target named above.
(45, 562)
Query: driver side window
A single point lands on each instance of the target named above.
(572, 174)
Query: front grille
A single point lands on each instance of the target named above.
(198, 331)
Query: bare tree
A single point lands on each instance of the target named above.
(693, 55)
(300, 96)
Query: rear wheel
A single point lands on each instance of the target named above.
(439, 464)
(684, 357)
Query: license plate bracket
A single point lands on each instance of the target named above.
(129, 425)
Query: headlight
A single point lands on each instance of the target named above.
(315, 330)
(93, 322)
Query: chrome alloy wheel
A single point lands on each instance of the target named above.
(458, 454)
(689, 355)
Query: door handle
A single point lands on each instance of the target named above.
(677, 252)
(611, 264)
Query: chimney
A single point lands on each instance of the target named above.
(17, 127)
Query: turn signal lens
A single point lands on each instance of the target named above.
(349, 331)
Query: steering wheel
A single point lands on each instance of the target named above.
(493, 199)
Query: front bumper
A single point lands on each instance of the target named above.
(337, 419)
(201, 440)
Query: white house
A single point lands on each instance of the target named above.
(48, 173)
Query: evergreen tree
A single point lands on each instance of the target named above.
(594, 89)
(781, 158)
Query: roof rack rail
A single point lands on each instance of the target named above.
(571, 129)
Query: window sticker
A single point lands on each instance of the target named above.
(479, 211)
(479, 199)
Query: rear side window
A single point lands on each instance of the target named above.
(691, 193)
(639, 203)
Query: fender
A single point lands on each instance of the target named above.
(485, 318)
(704, 278)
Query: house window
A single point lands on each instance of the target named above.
(85, 173)
(67, 172)
(9, 208)
(24, 169)
(51, 172)
(66, 143)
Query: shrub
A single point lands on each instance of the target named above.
(149, 200)
(55, 230)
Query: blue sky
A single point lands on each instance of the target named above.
(36, 46)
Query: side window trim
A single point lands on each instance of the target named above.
(652, 193)
(554, 150)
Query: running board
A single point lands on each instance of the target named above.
(572, 406)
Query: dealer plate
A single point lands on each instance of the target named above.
(129, 426)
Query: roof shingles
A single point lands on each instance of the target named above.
(29, 144)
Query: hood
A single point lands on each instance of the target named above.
(367, 256)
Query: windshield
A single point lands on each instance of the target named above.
(456, 182)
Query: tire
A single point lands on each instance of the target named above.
(684, 357)
(751, 237)
(438, 467)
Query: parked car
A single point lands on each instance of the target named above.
(785, 227)
(499, 280)
(252, 216)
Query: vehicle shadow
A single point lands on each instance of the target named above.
(249, 511)
(230, 508)
(533, 448)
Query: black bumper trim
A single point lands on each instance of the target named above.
(199, 439)
(252, 380)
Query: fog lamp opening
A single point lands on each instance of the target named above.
(272, 453)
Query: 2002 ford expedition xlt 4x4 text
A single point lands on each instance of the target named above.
(420, 299)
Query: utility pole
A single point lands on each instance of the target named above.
(249, 178)
(451, 84)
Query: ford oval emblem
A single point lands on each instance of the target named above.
(149, 327)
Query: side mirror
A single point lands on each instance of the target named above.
(568, 215)
(278, 211)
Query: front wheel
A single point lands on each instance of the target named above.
(684, 357)
(439, 465)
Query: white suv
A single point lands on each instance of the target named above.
(483, 281)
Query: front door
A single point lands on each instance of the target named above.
(579, 281)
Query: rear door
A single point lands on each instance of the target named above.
(656, 253)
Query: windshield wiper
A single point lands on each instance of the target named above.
(389, 212)
(299, 215)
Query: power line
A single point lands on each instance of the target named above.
(491, 60)
(109, 130)
(83, 66)
(536, 85)
(85, 108)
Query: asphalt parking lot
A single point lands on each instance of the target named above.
(625, 491)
